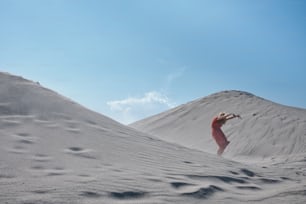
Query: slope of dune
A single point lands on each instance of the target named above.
(54, 151)
(266, 129)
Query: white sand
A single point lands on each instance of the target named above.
(53, 150)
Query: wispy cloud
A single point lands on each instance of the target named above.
(171, 77)
(175, 75)
(134, 108)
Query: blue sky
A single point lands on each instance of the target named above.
(129, 59)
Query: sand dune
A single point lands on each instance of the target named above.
(267, 129)
(53, 150)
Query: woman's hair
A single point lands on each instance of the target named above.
(221, 114)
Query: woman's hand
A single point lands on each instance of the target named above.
(237, 116)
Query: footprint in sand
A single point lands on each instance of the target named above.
(6, 176)
(204, 192)
(241, 183)
(23, 134)
(41, 158)
(127, 195)
(6, 122)
(56, 171)
(75, 149)
(72, 126)
(90, 194)
(40, 191)
(47, 171)
(90, 122)
(269, 181)
(17, 149)
(46, 123)
(80, 152)
(38, 167)
(25, 138)
(21, 142)
(179, 185)
(225, 179)
(73, 130)
(248, 172)
(10, 121)
(251, 188)
(43, 169)
(201, 190)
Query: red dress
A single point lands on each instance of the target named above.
(217, 133)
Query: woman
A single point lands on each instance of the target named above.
(217, 133)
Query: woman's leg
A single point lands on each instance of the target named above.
(220, 151)
(222, 148)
